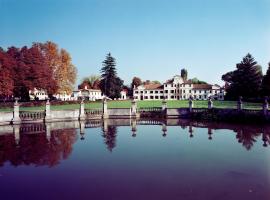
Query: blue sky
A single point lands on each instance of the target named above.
(152, 39)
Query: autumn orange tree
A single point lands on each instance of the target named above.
(59, 60)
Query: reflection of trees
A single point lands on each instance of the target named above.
(247, 137)
(110, 137)
(35, 148)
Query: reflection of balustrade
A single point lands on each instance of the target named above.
(32, 128)
(198, 110)
(32, 115)
(93, 124)
(249, 111)
(149, 122)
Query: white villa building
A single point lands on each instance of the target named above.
(38, 94)
(87, 94)
(178, 89)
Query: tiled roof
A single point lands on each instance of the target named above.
(153, 86)
(202, 86)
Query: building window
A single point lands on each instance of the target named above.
(145, 97)
(156, 97)
(151, 92)
(141, 92)
(161, 97)
(189, 91)
(172, 91)
(172, 85)
(166, 91)
(161, 92)
(156, 92)
(136, 92)
(151, 97)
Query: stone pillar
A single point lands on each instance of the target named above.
(105, 108)
(240, 104)
(48, 131)
(82, 114)
(210, 103)
(82, 129)
(190, 104)
(164, 105)
(164, 129)
(16, 113)
(133, 109)
(48, 111)
(164, 108)
(265, 106)
(16, 131)
(133, 127)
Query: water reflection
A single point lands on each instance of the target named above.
(43, 147)
(48, 144)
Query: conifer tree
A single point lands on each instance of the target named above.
(110, 84)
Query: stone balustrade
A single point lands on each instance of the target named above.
(48, 115)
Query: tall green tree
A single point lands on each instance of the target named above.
(266, 82)
(110, 84)
(184, 74)
(246, 80)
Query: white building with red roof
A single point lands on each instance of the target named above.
(178, 89)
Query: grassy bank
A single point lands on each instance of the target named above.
(154, 103)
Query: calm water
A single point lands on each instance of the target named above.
(125, 159)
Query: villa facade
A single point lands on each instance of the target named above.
(87, 94)
(178, 89)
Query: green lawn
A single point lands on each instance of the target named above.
(153, 103)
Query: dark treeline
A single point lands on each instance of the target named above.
(41, 66)
(247, 80)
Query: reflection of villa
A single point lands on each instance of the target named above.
(178, 89)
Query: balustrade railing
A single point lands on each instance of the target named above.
(93, 112)
(150, 109)
(31, 115)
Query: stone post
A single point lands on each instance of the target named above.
(16, 113)
(134, 109)
(240, 104)
(265, 106)
(164, 108)
(82, 114)
(210, 103)
(48, 111)
(190, 104)
(105, 108)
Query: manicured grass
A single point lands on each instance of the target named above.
(150, 103)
